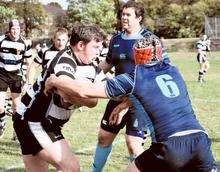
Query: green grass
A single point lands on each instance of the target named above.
(82, 129)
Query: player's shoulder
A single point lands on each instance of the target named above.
(66, 57)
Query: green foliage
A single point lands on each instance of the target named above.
(179, 20)
(100, 12)
(32, 13)
(55, 4)
(5, 15)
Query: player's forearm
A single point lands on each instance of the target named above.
(89, 102)
(74, 88)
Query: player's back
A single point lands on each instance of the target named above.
(164, 95)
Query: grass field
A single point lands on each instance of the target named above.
(81, 131)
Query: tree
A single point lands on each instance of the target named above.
(55, 4)
(31, 12)
(101, 12)
(5, 15)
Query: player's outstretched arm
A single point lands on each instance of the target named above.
(68, 88)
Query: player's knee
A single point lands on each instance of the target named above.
(104, 141)
(64, 165)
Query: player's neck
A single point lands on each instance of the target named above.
(133, 31)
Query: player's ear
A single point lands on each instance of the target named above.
(80, 45)
(140, 19)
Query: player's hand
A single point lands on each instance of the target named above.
(118, 112)
(49, 84)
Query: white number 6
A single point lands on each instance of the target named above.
(168, 87)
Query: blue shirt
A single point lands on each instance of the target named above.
(120, 53)
(163, 94)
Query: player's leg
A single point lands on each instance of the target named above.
(3, 92)
(134, 145)
(132, 167)
(46, 142)
(34, 164)
(16, 99)
(63, 158)
(106, 136)
(137, 124)
(103, 149)
(200, 61)
(2, 113)
(205, 67)
(15, 88)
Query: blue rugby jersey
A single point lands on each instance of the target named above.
(163, 94)
(120, 53)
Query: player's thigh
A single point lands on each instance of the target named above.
(132, 168)
(62, 157)
(34, 164)
(15, 84)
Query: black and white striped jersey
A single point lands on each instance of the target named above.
(12, 53)
(43, 56)
(35, 105)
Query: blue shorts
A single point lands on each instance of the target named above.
(136, 119)
(190, 153)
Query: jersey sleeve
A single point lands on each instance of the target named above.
(120, 85)
(28, 50)
(65, 66)
(39, 58)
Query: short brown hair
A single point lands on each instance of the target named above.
(86, 33)
(138, 7)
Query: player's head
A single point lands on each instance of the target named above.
(86, 41)
(204, 37)
(148, 50)
(14, 29)
(132, 14)
(60, 38)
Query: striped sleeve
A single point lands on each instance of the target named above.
(39, 57)
(28, 51)
(120, 85)
(65, 66)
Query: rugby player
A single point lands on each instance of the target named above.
(14, 50)
(182, 143)
(60, 40)
(39, 119)
(120, 56)
(203, 46)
